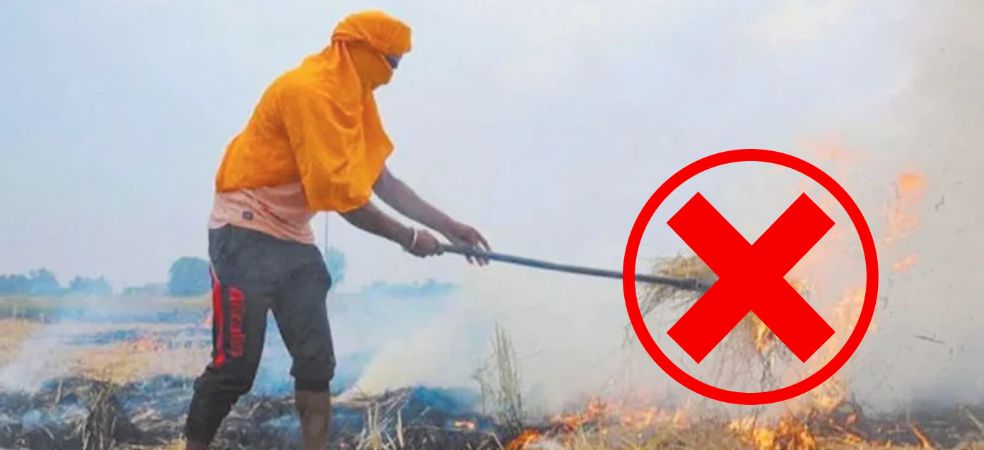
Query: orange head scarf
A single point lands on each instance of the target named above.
(367, 38)
(318, 124)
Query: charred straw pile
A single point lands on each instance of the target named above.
(83, 413)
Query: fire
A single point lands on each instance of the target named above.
(824, 406)
(680, 419)
(639, 419)
(828, 396)
(846, 312)
(910, 185)
(525, 438)
(902, 220)
(827, 412)
(600, 413)
(764, 339)
(788, 433)
(464, 425)
(595, 411)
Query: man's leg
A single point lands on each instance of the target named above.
(238, 329)
(314, 409)
(302, 317)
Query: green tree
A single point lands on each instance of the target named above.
(89, 287)
(43, 282)
(188, 277)
(14, 284)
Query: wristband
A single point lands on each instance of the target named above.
(413, 239)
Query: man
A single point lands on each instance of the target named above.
(314, 143)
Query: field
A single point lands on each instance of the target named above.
(121, 378)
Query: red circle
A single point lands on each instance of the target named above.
(632, 301)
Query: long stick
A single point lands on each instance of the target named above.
(690, 284)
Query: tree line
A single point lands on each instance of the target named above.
(187, 276)
(42, 282)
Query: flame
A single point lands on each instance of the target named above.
(792, 431)
(847, 309)
(787, 434)
(828, 396)
(464, 425)
(826, 411)
(599, 413)
(639, 419)
(680, 419)
(525, 438)
(902, 221)
(910, 186)
(596, 410)
(764, 339)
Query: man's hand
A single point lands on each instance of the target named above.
(397, 194)
(423, 244)
(465, 235)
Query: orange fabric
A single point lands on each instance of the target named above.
(318, 124)
(372, 66)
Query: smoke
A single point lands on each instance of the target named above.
(574, 113)
(923, 124)
(568, 332)
(43, 358)
(932, 127)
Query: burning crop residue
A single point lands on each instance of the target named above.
(830, 416)
(525, 439)
(786, 434)
(846, 425)
(604, 425)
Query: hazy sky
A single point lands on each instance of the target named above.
(546, 123)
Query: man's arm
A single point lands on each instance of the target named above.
(404, 200)
(370, 218)
(397, 194)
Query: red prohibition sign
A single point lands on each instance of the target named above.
(867, 247)
(742, 268)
